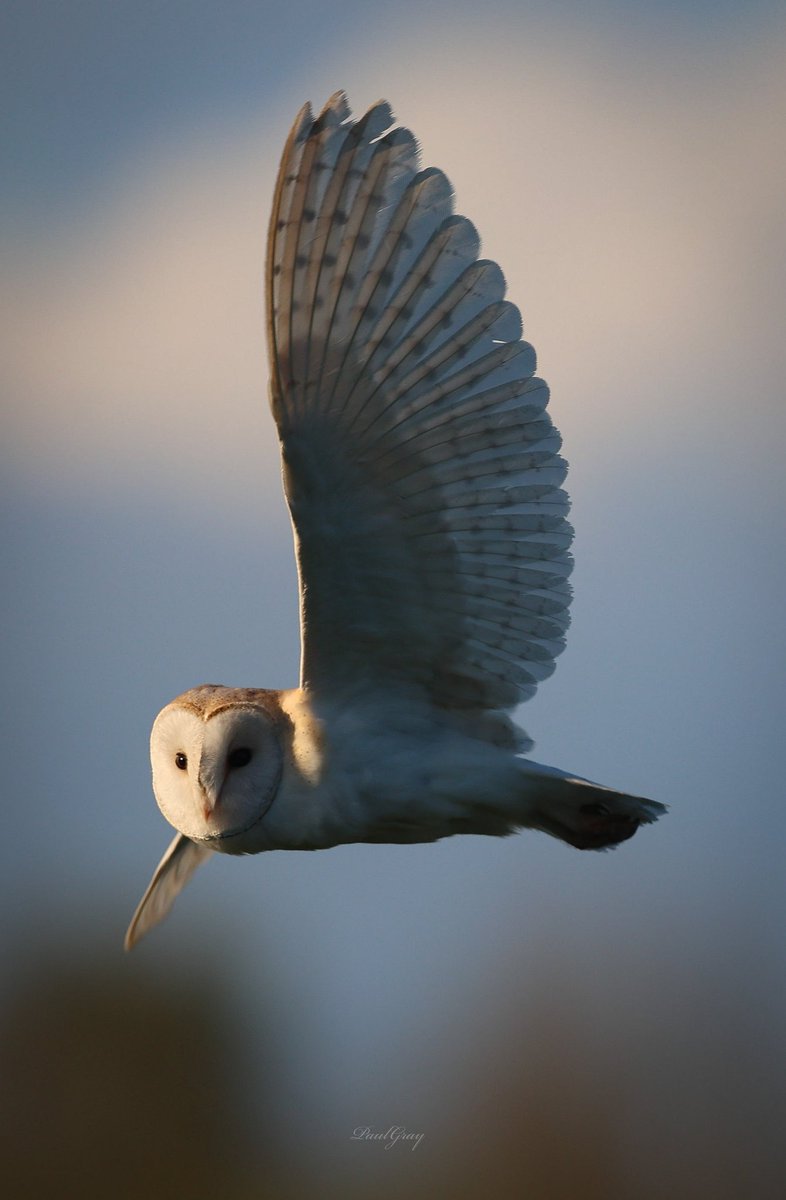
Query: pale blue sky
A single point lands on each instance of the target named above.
(624, 164)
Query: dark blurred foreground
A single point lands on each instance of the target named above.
(124, 1083)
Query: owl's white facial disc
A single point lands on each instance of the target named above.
(215, 777)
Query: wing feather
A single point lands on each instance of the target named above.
(181, 859)
(420, 464)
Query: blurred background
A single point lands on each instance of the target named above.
(556, 1025)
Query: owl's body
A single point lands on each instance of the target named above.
(423, 477)
(385, 768)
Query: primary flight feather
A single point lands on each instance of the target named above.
(424, 481)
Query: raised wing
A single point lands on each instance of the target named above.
(420, 466)
(171, 875)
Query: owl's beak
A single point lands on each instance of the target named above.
(211, 784)
(209, 799)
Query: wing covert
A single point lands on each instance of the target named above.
(420, 464)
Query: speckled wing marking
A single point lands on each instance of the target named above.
(420, 465)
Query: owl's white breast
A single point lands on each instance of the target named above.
(375, 769)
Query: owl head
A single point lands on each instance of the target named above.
(217, 758)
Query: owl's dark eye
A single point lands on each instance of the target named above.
(238, 758)
(181, 762)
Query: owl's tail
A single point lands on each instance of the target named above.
(586, 815)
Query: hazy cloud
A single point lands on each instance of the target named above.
(634, 205)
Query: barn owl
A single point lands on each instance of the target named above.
(424, 481)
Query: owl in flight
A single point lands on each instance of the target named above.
(423, 476)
